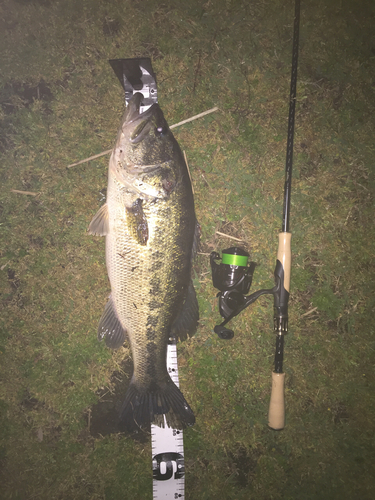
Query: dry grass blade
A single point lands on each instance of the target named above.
(228, 236)
(28, 193)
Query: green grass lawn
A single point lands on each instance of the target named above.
(60, 103)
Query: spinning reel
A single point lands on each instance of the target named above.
(233, 277)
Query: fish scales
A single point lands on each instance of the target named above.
(150, 228)
(149, 281)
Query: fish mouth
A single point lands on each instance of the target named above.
(137, 125)
(132, 110)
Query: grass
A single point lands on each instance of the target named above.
(60, 102)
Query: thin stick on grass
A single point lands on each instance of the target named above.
(91, 158)
(227, 236)
(29, 193)
(195, 117)
(309, 312)
(188, 169)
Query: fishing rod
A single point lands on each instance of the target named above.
(233, 275)
(276, 413)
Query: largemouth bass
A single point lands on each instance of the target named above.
(150, 228)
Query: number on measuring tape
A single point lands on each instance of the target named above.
(166, 465)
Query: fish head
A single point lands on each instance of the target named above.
(142, 160)
(144, 139)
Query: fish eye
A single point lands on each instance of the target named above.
(160, 131)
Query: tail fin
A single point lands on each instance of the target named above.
(142, 408)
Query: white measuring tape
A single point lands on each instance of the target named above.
(168, 467)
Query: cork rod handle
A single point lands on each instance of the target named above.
(276, 413)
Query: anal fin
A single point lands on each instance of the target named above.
(110, 328)
(186, 322)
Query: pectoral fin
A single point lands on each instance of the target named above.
(99, 225)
